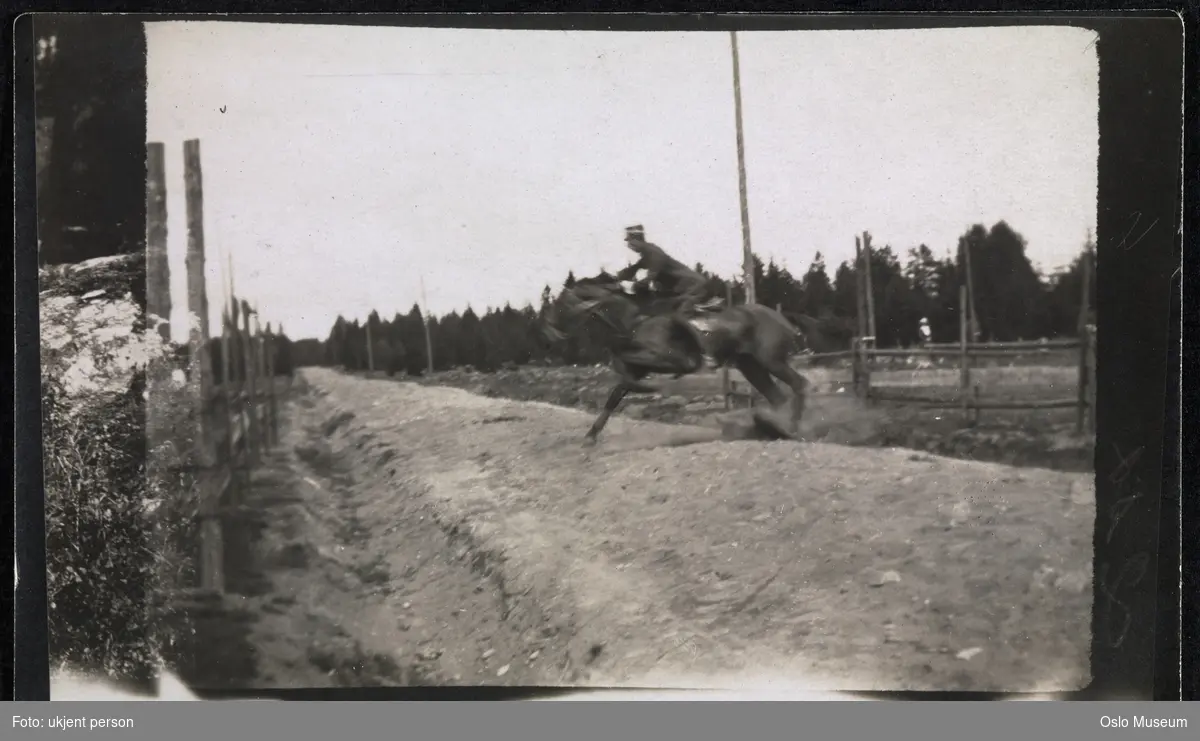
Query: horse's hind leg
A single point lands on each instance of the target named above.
(799, 385)
(760, 378)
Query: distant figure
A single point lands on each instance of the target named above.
(671, 275)
(926, 335)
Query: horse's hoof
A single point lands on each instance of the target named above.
(773, 425)
(589, 441)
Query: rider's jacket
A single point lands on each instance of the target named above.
(670, 273)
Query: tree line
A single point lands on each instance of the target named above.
(1012, 301)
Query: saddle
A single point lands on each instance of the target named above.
(656, 302)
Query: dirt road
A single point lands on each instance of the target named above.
(478, 539)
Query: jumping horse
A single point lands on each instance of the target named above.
(646, 335)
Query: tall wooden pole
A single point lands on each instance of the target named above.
(237, 367)
(747, 254)
(964, 371)
(370, 347)
(866, 238)
(272, 405)
(229, 399)
(212, 570)
(428, 334)
(158, 299)
(260, 371)
(158, 271)
(726, 389)
(249, 357)
(972, 318)
(860, 293)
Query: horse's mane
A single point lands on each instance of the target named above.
(600, 279)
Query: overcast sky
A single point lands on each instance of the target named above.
(343, 164)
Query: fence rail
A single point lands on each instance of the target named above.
(235, 419)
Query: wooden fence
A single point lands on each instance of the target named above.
(863, 355)
(235, 415)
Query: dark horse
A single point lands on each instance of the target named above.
(647, 336)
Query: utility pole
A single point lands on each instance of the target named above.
(866, 243)
(370, 347)
(747, 255)
(972, 318)
(425, 322)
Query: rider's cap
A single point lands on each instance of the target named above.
(635, 232)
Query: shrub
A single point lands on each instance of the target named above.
(100, 557)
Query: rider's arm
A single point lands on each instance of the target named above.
(629, 272)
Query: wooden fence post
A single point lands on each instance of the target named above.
(158, 300)
(866, 238)
(228, 399)
(212, 567)
(866, 353)
(972, 319)
(964, 379)
(726, 388)
(260, 406)
(158, 271)
(269, 374)
(370, 349)
(251, 392)
(860, 290)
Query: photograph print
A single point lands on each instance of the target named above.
(677, 359)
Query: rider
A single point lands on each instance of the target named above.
(672, 275)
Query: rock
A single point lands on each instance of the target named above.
(488, 654)
(533, 656)
(1074, 582)
(887, 577)
(502, 671)
(968, 653)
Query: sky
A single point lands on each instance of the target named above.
(344, 167)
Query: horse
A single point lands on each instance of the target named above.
(646, 335)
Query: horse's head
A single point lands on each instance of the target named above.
(598, 297)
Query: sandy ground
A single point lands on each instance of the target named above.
(427, 535)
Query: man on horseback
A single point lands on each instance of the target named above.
(672, 276)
